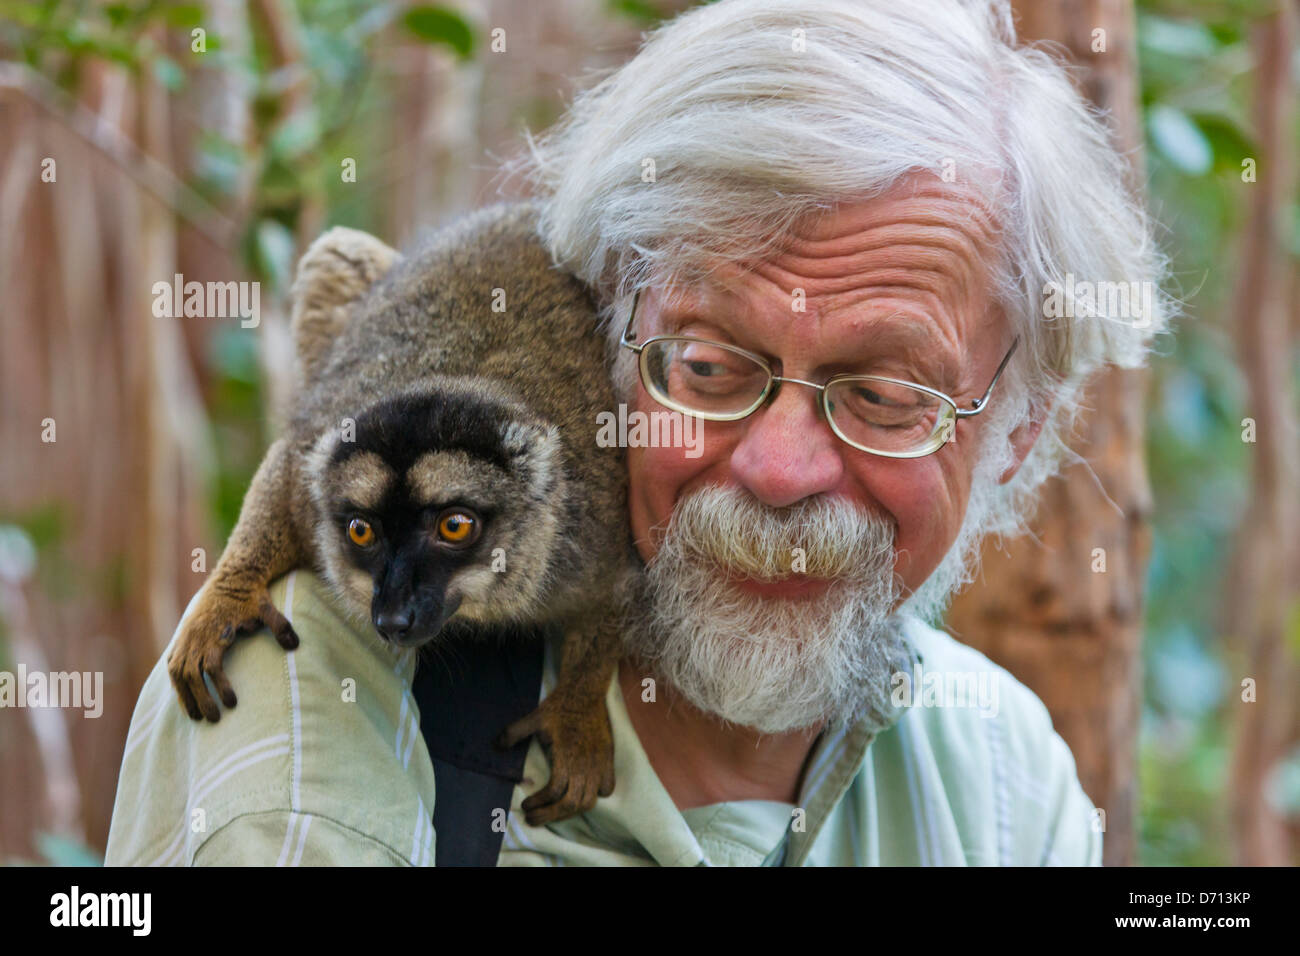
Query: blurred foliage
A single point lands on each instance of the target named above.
(1197, 82)
(59, 37)
(442, 26)
(45, 530)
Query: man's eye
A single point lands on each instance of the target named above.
(705, 369)
(885, 405)
(710, 368)
(709, 361)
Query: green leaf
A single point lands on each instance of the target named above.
(233, 354)
(184, 15)
(297, 135)
(278, 184)
(219, 164)
(168, 72)
(1180, 140)
(46, 525)
(434, 24)
(1229, 143)
(1178, 38)
(640, 10)
(274, 247)
(117, 13)
(1292, 628)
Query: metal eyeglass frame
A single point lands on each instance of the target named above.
(627, 340)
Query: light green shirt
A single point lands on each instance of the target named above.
(322, 762)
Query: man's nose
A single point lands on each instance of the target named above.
(788, 451)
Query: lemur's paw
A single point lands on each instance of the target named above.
(580, 744)
(219, 618)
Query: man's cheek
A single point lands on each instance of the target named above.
(919, 499)
(651, 489)
(658, 475)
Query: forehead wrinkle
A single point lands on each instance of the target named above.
(946, 252)
(972, 224)
(922, 256)
(915, 315)
(951, 232)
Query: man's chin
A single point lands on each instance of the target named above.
(792, 588)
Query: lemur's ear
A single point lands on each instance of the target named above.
(334, 272)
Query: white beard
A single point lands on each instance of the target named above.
(774, 664)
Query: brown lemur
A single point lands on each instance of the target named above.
(440, 465)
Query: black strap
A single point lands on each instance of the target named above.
(469, 689)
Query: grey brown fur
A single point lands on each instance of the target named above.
(406, 347)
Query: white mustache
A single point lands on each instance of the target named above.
(821, 537)
(773, 665)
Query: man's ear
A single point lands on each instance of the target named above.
(336, 270)
(1022, 441)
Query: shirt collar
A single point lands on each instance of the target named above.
(641, 813)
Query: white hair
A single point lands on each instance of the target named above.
(774, 665)
(754, 114)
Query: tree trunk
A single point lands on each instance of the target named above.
(1071, 633)
(1262, 588)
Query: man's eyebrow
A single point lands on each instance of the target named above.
(903, 335)
(884, 333)
(717, 307)
(903, 330)
(706, 298)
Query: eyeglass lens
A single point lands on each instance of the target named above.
(712, 380)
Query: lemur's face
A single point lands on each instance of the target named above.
(431, 511)
(410, 554)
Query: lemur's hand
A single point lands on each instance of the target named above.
(223, 613)
(574, 730)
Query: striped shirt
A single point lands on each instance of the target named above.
(323, 763)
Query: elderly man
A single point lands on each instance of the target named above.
(826, 233)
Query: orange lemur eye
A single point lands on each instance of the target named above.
(361, 533)
(457, 526)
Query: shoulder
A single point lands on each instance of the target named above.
(956, 687)
(327, 733)
(1003, 764)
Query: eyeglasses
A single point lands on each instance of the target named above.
(723, 383)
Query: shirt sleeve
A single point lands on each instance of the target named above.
(321, 763)
(284, 838)
(1055, 822)
(1075, 832)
